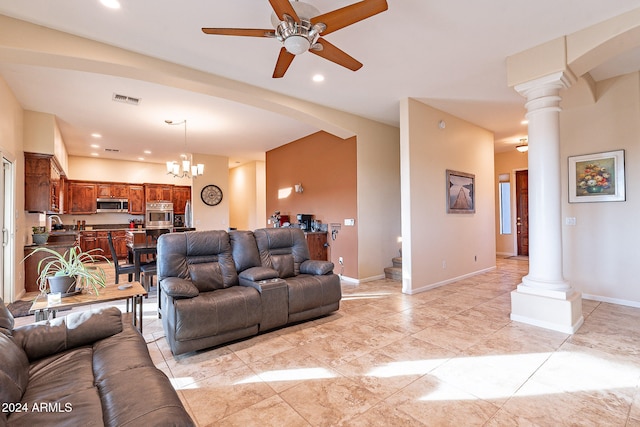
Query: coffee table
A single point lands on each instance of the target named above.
(43, 309)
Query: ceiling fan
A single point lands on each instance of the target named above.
(300, 27)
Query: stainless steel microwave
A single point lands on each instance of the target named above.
(113, 205)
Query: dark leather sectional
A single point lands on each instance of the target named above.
(88, 368)
(216, 287)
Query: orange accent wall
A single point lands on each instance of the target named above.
(325, 165)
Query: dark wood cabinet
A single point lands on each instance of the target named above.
(112, 190)
(88, 240)
(181, 194)
(155, 192)
(81, 197)
(136, 199)
(42, 183)
(31, 265)
(317, 243)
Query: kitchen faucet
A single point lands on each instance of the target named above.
(50, 221)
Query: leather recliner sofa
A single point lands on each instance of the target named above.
(88, 368)
(216, 287)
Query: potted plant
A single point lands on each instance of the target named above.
(69, 271)
(40, 235)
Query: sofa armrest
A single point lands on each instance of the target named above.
(257, 277)
(316, 267)
(77, 329)
(176, 287)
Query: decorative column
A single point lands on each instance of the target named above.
(545, 298)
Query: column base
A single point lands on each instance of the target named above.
(561, 312)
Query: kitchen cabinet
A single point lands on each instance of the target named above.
(181, 194)
(99, 239)
(112, 191)
(31, 264)
(81, 198)
(318, 246)
(88, 240)
(136, 199)
(42, 183)
(155, 192)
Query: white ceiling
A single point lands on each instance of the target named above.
(449, 54)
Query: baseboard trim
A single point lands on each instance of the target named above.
(359, 281)
(617, 301)
(448, 281)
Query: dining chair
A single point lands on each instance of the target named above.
(128, 269)
(148, 271)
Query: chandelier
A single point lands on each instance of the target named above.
(523, 147)
(183, 168)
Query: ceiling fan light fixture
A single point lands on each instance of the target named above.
(296, 44)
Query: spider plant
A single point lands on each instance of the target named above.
(73, 262)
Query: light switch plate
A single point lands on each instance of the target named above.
(350, 222)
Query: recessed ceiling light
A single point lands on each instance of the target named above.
(141, 158)
(95, 154)
(96, 135)
(524, 122)
(95, 146)
(318, 78)
(111, 4)
(147, 152)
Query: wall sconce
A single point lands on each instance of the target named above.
(298, 188)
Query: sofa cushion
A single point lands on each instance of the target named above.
(308, 292)
(77, 329)
(14, 372)
(6, 319)
(206, 274)
(213, 313)
(280, 247)
(244, 249)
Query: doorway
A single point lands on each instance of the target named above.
(522, 212)
(7, 219)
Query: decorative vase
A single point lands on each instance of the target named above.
(62, 284)
(594, 189)
(40, 239)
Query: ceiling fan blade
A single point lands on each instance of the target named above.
(282, 7)
(348, 15)
(249, 32)
(336, 55)
(284, 60)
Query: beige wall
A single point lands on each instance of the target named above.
(96, 169)
(326, 166)
(247, 201)
(216, 172)
(439, 247)
(507, 163)
(11, 136)
(599, 252)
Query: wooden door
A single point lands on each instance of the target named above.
(522, 212)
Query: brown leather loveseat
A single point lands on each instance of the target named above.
(88, 368)
(216, 287)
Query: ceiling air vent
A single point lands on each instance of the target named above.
(111, 150)
(126, 99)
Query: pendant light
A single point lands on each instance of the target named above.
(183, 168)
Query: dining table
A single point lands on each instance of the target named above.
(136, 250)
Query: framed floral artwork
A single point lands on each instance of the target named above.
(597, 177)
(460, 192)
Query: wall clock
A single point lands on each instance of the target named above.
(211, 195)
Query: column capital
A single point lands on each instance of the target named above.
(550, 84)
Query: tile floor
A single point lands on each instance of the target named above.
(449, 356)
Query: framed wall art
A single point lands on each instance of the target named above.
(597, 177)
(460, 192)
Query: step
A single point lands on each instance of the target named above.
(393, 273)
(397, 261)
